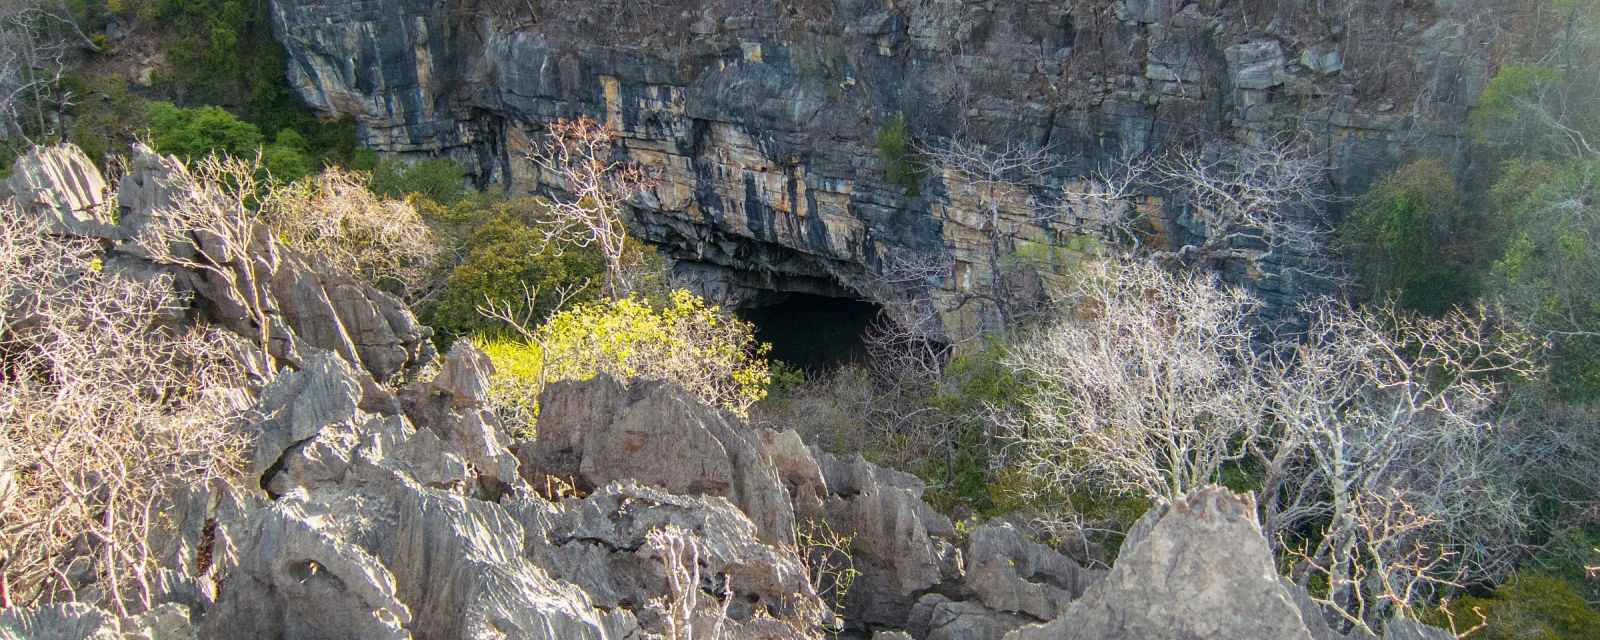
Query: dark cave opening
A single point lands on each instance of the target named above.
(814, 333)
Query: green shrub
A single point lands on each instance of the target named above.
(197, 132)
(1529, 607)
(711, 354)
(440, 180)
(900, 164)
(1394, 238)
(286, 163)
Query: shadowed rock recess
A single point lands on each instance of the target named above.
(763, 118)
(372, 514)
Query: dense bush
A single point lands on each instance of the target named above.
(697, 346)
(441, 180)
(1529, 607)
(1399, 239)
(200, 131)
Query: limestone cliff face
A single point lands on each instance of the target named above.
(762, 116)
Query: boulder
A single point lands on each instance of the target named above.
(600, 544)
(1255, 65)
(1198, 568)
(61, 188)
(599, 431)
(1010, 573)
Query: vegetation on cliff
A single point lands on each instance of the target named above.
(1418, 435)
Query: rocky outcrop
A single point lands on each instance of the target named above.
(903, 548)
(363, 514)
(1198, 568)
(600, 545)
(308, 303)
(1008, 572)
(62, 188)
(763, 118)
(600, 431)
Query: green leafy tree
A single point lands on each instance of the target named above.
(686, 341)
(1549, 274)
(499, 256)
(201, 131)
(440, 180)
(1399, 239)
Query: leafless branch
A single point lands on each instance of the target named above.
(579, 157)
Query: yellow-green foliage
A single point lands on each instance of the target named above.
(1502, 101)
(514, 387)
(686, 341)
(1526, 608)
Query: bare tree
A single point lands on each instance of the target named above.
(1143, 386)
(109, 406)
(211, 228)
(1384, 434)
(679, 553)
(993, 174)
(579, 157)
(37, 40)
(1108, 195)
(908, 341)
(1251, 203)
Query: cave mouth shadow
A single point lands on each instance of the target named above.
(814, 333)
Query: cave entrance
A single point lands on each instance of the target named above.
(814, 333)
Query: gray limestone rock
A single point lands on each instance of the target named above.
(1322, 59)
(936, 617)
(451, 406)
(61, 188)
(901, 546)
(1198, 568)
(599, 544)
(1010, 573)
(1255, 65)
(78, 621)
(1404, 629)
(599, 431)
(71, 621)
